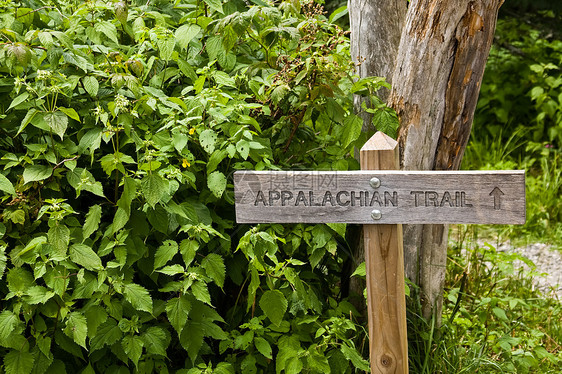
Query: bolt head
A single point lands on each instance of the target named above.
(375, 182)
(376, 214)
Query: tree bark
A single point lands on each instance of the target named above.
(376, 26)
(436, 81)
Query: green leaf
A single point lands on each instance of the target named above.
(77, 328)
(59, 237)
(91, 85)
(18, 100)
(6, 185)
(207, 139)
(215, 5)
(8, 323)
(191, 339)
(108, 29)
(19, 280)
(57, 121)
(352, 126)
(185, 33)
(274, 305)
(70, 113)
(216, 183)
(85, 256)
(263, 347)
(165, 253)
(177, 310)
(18, 362)
(132, 345)
(360, 271)
(352, 355)
(166, 48)
(153, 187)
(156, 341)
(92, 222)
(201, 292)
(38, 295)
(108, 333)
(188, 249)
(385, 120)
(214, 266)
(500, 313)
(36, 173)
(138, 296)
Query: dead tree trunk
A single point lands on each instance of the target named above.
(440, 64)
(376, 26)
(435, 78)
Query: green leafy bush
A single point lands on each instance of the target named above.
(121, 126)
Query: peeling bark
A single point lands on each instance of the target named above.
(440, 64)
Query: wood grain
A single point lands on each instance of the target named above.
(484, 197)
(384, 265)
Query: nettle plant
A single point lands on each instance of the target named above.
(121, 126)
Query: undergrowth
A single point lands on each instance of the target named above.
(494, 318)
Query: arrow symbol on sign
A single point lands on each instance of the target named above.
(497, 193)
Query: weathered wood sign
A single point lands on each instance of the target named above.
(381, 198)
(368, 197)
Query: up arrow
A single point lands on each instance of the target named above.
(497, 193)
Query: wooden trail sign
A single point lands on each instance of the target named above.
(381, 198)
(399, 196)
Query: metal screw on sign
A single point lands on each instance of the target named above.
(376, 214)
(375, 183)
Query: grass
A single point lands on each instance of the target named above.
(494, 321)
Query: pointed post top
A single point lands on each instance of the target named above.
(380, 141)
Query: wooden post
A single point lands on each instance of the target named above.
(384, 263)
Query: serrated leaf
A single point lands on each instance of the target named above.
(34, 173)
(18, 100)
(108, 333)
(216, 183)
(85, 256)
(214, 266)
(156, 341)
(38, 295)
(352, 355)
(188, 249)
(77, 328)
(215, 5)
(165, 253)
(500, 313)
(207, 139)
(132, 345)
(6, 185)
(177, 310)
(91, 85)
(153, 187)
(138, 296)
(274, 305)
(70, 113)
(352, 126)
(263, 347)
(185, 33)
(92, 222)
(8, 323)
(59, 237)
(19, 280)
(201, 292)
(191, 339)
(172, 270)
(18, 362)
(57, 121)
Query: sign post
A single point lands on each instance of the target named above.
(382, 199)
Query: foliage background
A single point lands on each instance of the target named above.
(122, 125)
